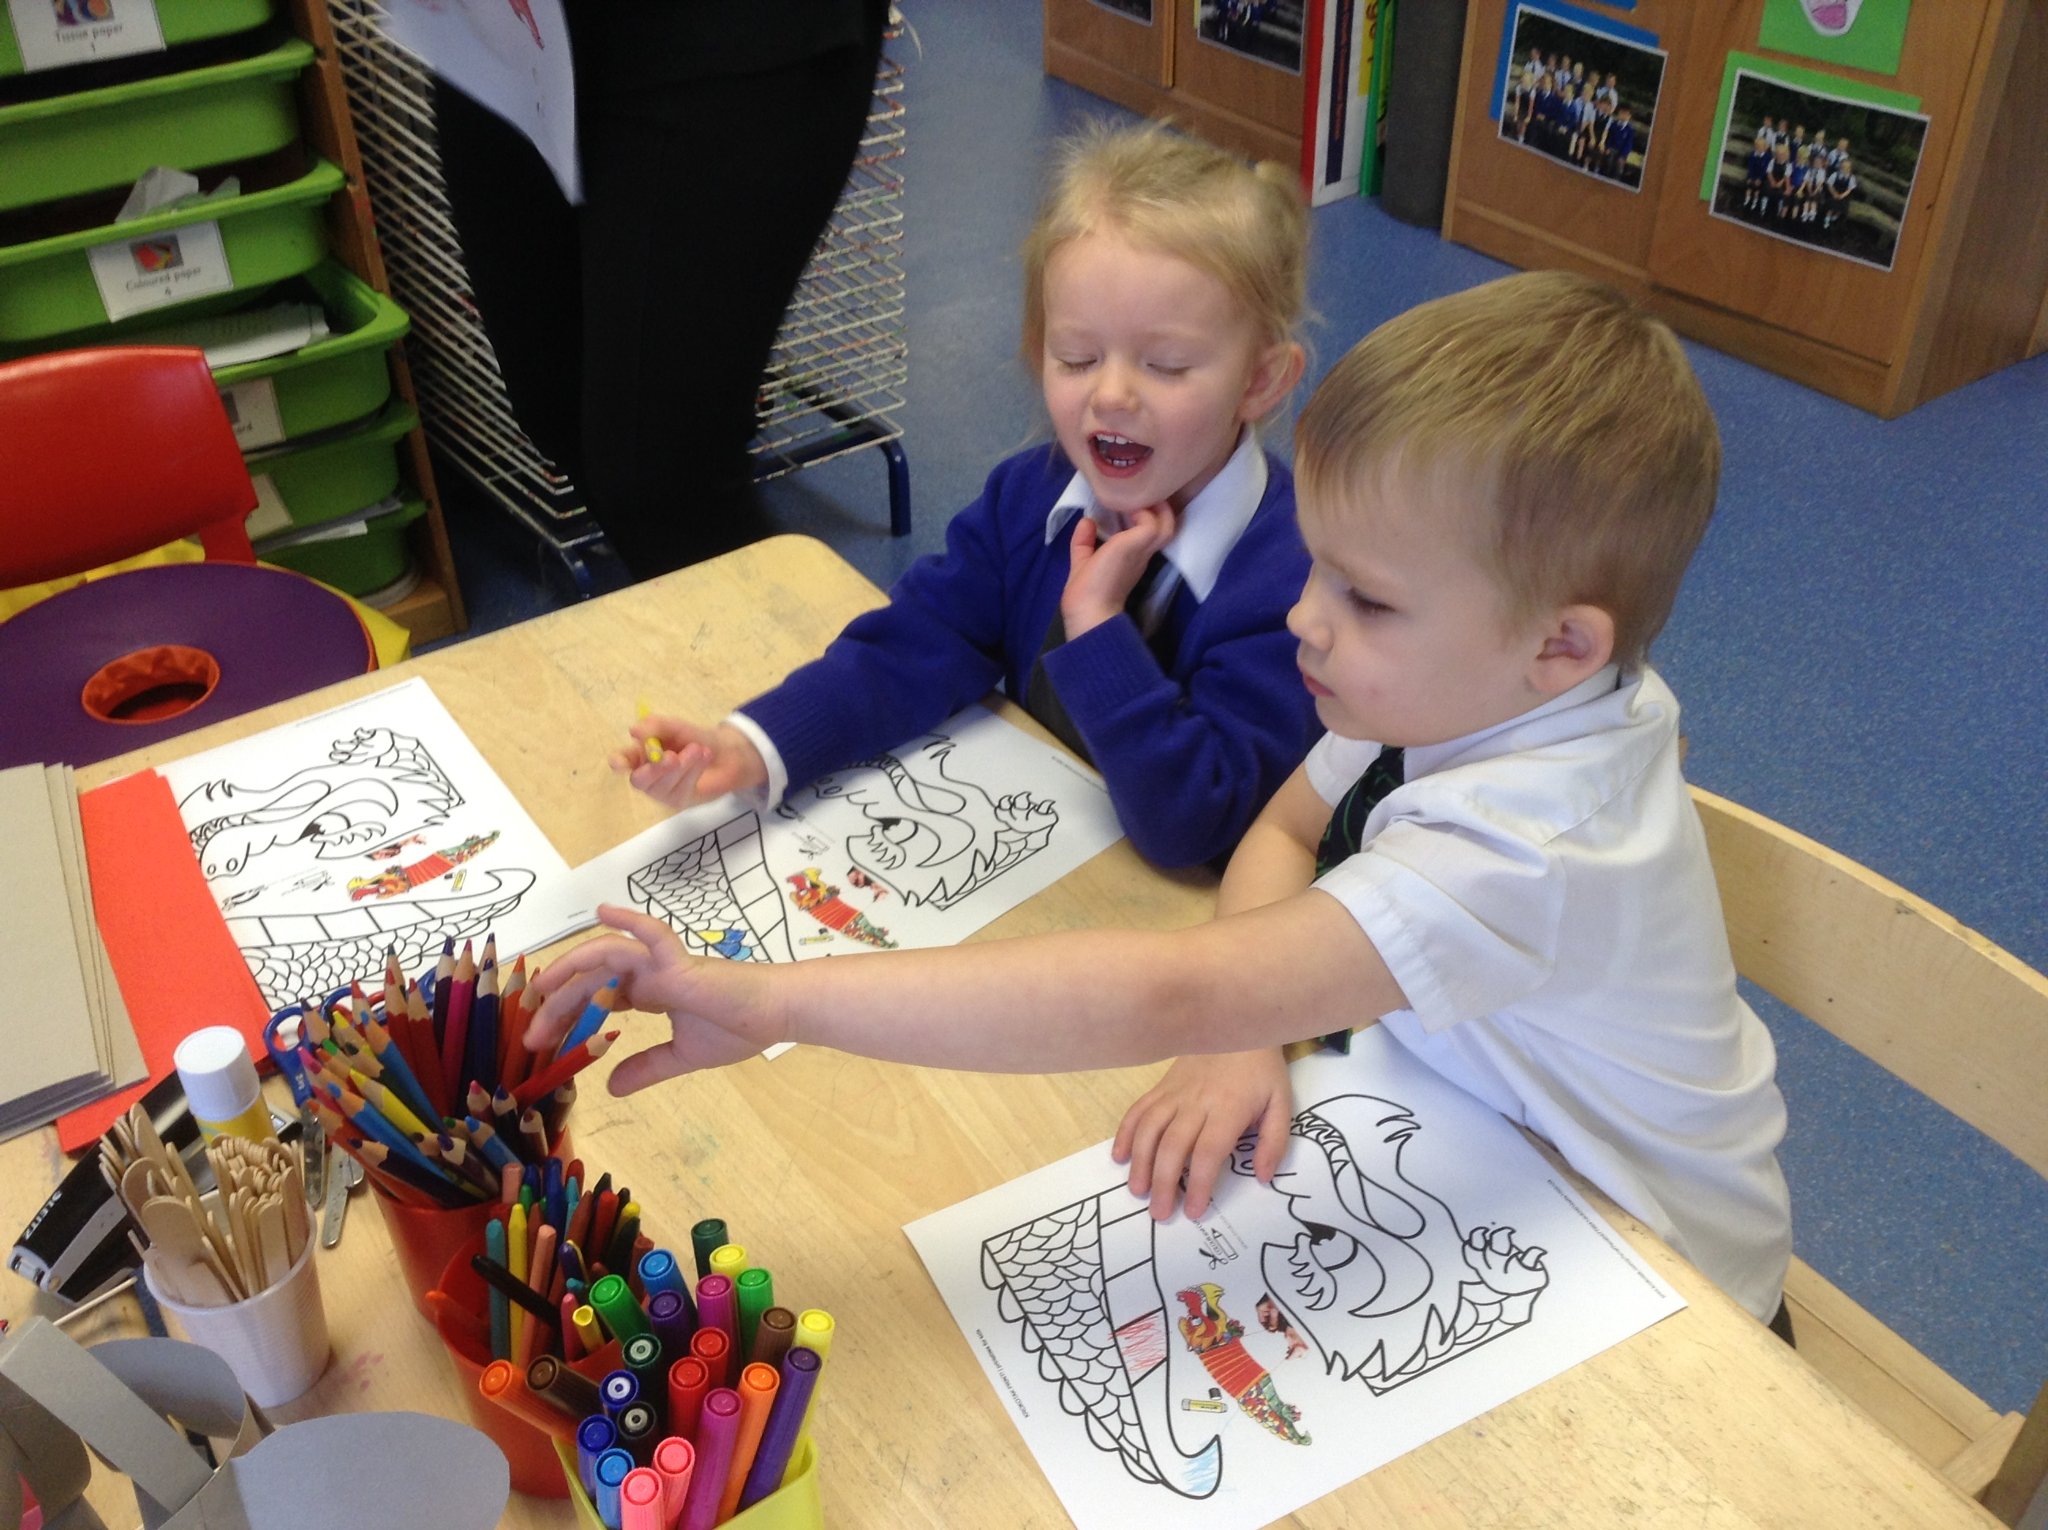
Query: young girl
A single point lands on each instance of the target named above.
(1163, 279)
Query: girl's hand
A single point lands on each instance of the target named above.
(1192, 1119)
(1101, 575)
(696, 764)
(718, 1010)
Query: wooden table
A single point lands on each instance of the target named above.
(818, 1159)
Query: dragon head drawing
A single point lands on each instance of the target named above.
(377, 785)
(929, 838)
(1378, 1273)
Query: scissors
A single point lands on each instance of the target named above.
(281, 1037)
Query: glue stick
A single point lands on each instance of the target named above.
(219, 1077)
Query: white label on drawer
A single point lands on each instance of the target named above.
(252, 410)
(52, 33)
(270, 515)
(157, 270)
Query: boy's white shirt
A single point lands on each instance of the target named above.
(1541, 891)
(1209, 528)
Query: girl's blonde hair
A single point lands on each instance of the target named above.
(1241, 223)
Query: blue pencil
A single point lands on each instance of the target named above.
(444, 970)
(593, 1016)
(480, 1047)
(492, 1149)
(501, 1312)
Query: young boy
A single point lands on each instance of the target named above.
(1778, 181)
(1621, 142)
(1841, 187)
(1759, 168)
(1795, 189)
(1500, 491)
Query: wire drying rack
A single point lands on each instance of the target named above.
(831, 386)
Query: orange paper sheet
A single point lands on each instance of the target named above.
(177, 965)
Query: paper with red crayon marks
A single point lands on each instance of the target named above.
(1414, 1262)
(172, 955)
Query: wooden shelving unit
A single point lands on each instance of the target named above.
(1967, 292)
(1158, 66)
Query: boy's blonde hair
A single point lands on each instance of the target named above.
(1570, 417)
(1241, 223)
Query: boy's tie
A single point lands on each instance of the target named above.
(1043, 702)
(1343, 836)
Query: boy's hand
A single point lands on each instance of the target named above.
(696, 764)
(1101, 575)
(717, 1009)
(1192, 1119)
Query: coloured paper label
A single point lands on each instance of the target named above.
(252, 410)
(157, 270)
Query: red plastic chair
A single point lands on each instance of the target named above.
(109, 452)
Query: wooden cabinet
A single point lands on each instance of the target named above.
(1968, 275)
(1149, 56)
(433, 608)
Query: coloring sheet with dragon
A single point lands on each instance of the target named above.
(920, 846)
(375, 826)
(1414, 1263)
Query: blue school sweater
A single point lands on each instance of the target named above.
(1190, 749)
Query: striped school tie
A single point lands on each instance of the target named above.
(1044, 703)
(1343, 836)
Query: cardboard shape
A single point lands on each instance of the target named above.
(120, 1397)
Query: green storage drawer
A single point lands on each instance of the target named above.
(325, 480)
(95, 139)
(182, 21)
(47, 287)
(360, 564)
(329, 382)
(337, 379)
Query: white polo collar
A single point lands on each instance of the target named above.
(1209, 527)
(1527, 730)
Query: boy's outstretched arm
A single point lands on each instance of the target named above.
(1190, 1121)
(1040, 1004)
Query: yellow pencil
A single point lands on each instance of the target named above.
(653, 745)
(516, 1250)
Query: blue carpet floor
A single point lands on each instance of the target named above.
(1859, 647)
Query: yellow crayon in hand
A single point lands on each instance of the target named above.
(653, 745)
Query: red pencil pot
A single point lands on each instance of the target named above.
(460, 1313)
(425, 1238)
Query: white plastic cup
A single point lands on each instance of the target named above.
(275, 1342)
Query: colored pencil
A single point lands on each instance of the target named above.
(593, 1016)
(565, 1067)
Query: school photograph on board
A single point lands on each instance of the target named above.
(1827, 171)
(1582, 98)
(1266, 30)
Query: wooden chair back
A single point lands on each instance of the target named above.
(1951, 1014)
